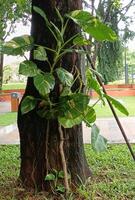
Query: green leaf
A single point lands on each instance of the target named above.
(18, 45)
(61, 174)
(60, 16)
(65, 77)
(92, 25)
(92, 83)
(89, 116)
(57, 31)
(28, 104)
(79, 101)
(60, 188)
(80, 41)
(71, 109)
(73, 106)
(50, 177)
(117, 104)
(44, 83)
(66, 91)
(40, 54)
(69, 123)
(98, 142)
(41, 13)
(28, 68)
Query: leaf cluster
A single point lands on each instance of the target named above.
(71, 107)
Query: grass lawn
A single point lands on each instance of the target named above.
(128, 102)
(8, 118)
(113, 175)
(12, 86)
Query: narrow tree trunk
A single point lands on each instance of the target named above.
(1, 69)
(39, 138)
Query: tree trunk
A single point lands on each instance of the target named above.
(39, 138)
(1, 69)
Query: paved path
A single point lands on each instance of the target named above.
(108, 128)
(5, 107)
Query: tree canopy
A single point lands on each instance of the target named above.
(10, 12)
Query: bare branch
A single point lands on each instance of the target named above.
(64, 165)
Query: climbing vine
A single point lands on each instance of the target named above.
(71, 107)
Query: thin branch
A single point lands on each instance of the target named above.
(127, 8)
(10, 28)
(111, 107)
(64, 165)
(108, 12)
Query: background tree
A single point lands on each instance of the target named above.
(109, 55)
(39, 138)
(10, 13)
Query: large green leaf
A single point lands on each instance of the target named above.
(65, 77)
(58, 33)
(44, 83)
(73, 106)
(41, 13)
(28, 104)
(79, 101)
(18, 45)
(40, 54)
(117, 104)
(98, 142)
(28, 68)
(69, 123)
(72, 109)
(92, 25)
(92, 83)
(89, 116)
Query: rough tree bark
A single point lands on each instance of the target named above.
(36, 153)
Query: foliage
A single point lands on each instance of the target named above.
(110, 54)
(130, 58)
(54, 177)
(7, 74)
(98, 142)
(72, 107)
(93, 26)
(10, 12)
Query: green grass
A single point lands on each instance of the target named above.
(8, 118)
(12, 86)
(113, 175)
(128, 102)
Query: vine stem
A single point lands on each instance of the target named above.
(64, 165)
